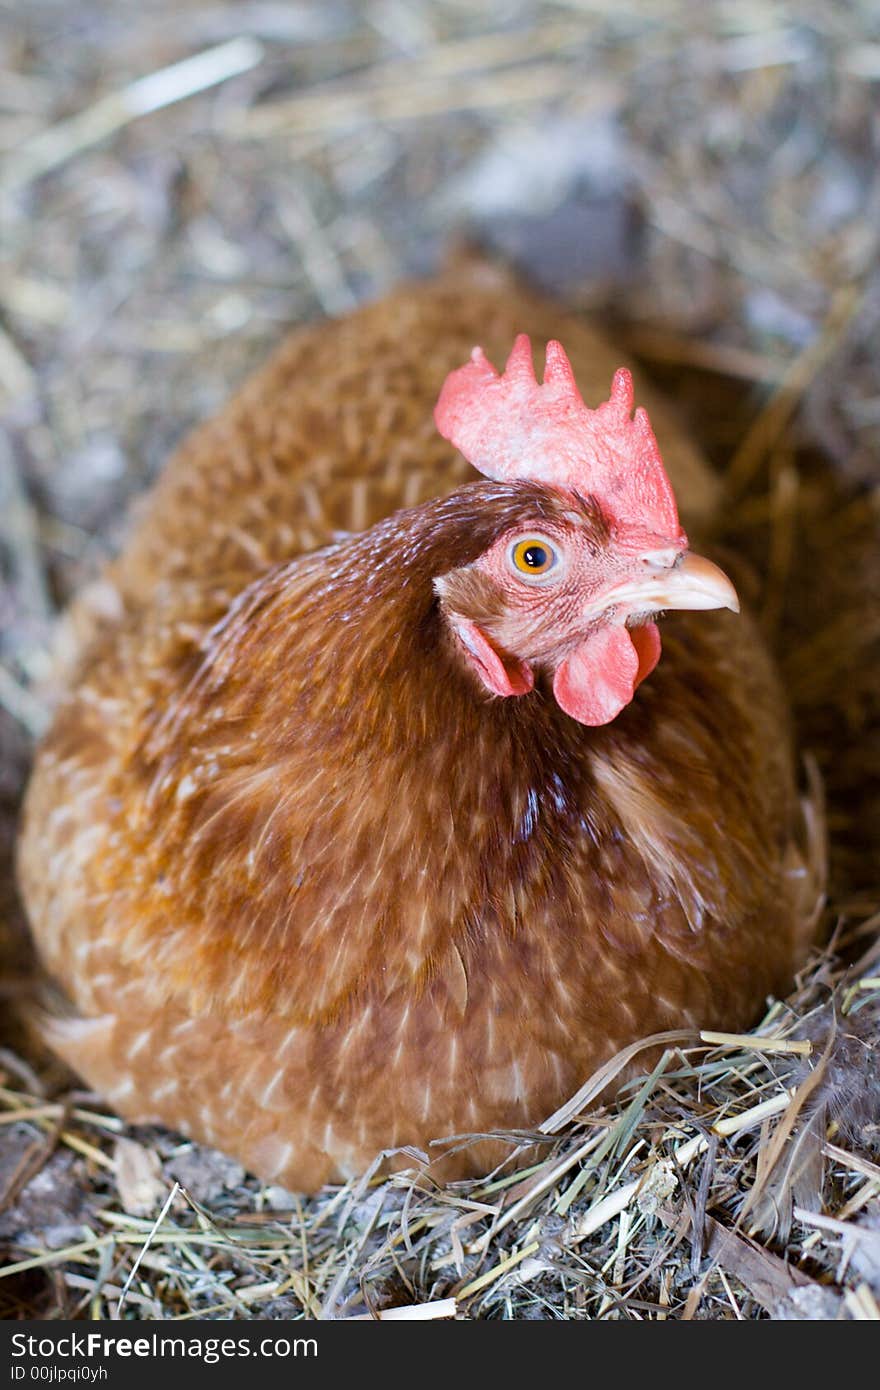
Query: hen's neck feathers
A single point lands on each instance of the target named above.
(350, 643)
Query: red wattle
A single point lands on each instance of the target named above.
(599, 678)
(646, 640)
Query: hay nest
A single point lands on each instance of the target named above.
(181, 182)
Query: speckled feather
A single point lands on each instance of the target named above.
(312, 893)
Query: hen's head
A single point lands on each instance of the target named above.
(576, 591)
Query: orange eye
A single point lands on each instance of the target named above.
(533, 556)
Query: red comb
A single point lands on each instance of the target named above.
(510, 427)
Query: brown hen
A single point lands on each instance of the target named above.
(351, 831)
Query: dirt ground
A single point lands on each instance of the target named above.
(179, 182)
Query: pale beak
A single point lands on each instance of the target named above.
(694, 582)
(690, 582)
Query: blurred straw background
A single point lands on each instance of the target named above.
(179, 181)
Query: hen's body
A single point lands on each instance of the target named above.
(312, 893)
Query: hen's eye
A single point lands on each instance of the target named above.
(533, 556)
